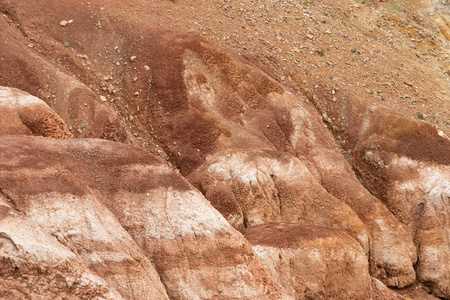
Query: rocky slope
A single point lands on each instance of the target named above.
(276, 150)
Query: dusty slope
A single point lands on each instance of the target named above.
(250, 112)
(401, 57)
(397, 61)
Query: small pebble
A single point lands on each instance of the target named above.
(110, 89)
(133, 58)
(63, 23)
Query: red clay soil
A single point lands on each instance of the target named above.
(142, 73)
(303, 45)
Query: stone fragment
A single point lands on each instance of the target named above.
(110, 89)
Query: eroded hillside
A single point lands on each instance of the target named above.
(257, 149)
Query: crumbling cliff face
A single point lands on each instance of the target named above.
(220, 180)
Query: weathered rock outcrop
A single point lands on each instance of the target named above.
(33, 70)
(24, 114)
(313, 262)
(381, 292)
(257, 187)
(209, 104)
(214, 109)
(406, 164)
(34, 265)
(254, 148)
(116, 207)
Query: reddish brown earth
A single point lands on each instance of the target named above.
(313, 262)
(25, 114)
(128, 218)
(331, 117)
